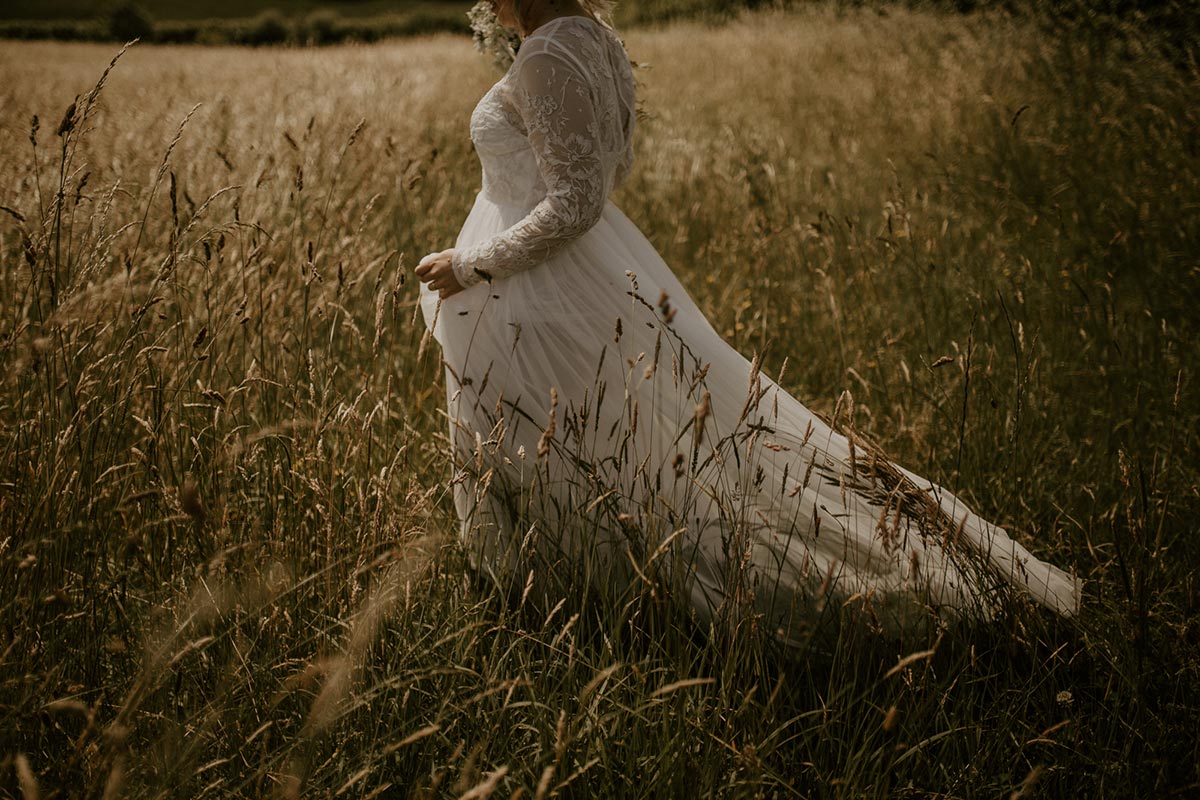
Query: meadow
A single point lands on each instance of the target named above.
(227, 543)
(244, 23)
(182, 10)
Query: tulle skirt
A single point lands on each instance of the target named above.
(604, 432)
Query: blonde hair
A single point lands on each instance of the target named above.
(599, 10)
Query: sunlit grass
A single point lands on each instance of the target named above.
(225, 529)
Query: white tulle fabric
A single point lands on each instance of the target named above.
(604, 432)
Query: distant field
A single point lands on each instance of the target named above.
(227, 542)
(211, 9)
(250, 23)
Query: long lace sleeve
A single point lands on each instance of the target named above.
(556, 105)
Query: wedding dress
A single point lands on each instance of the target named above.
(604, 432)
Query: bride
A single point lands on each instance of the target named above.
(606, 436)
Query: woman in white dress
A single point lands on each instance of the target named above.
(605, 435)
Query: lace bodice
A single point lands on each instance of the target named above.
(555, 136)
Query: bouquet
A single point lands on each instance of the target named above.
(492, 38)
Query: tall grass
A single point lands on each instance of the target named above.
(228, 544)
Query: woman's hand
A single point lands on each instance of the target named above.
(436, 270)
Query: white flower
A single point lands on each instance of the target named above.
(492, 38)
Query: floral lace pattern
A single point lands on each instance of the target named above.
(555, 135)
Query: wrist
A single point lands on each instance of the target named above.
(464, 271)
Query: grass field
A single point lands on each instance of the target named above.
(209, 9)
(228, 23)
(226, 536)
